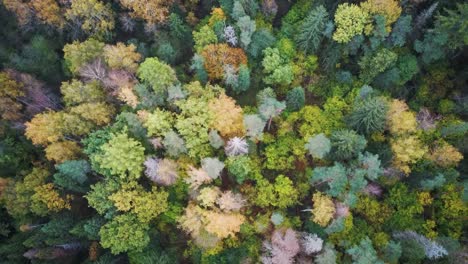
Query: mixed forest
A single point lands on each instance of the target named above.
(233, 131)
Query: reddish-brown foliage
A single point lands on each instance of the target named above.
(218, 55)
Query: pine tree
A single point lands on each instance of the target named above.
(369, 116)
(247, 27)
(364, 253)
(346, 144)
(295, 99)
(310, 33)
(335, 177)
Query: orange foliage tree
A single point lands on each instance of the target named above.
(49, 12)
(218, 55)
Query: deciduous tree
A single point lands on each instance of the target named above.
(46, 199)
(197, 177)
(49, 12)
(18, 194)
(284, 153)
(236, 146)
(174, 144)
(155, 11)
(77, 54)
(61, 151)
(133, 198)
(284, 246)
(350, 21)
(124, 233)
(122, 156)
(323, 209)
(10, 93)
(93, 17)
(157, 74)
(161, 171)
(318, 146)
(375, 63)
(445, 155)
(120, 56)
(399, 119)
(196, 221)
(223, 224)
(75, 92)
(269, 109)
(208, 196)
(328, 255)
(203, 37)
(22, 10)
(98, 113)
(212, 166)
(159, 122)
(390, 10)
(254, 126)
(98, 197)
(280, 194)
(230, 201)
(45, 128)
(311, 243)
(217, 55)
(193, 121)
(227, 116)
(242, 167)
(278, 69)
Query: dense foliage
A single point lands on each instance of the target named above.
(233, 131)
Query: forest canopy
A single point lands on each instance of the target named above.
(233, 131)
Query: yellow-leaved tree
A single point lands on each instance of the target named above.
(390, 9)
(94, 17)
(350, 20)
(47, 199)
(146, 205)
(10, 90)
(207, 227)
(407, 148)
(62, 150)
(121, 56)
(406, 151)
(228, 117)
(400, 120)
(323, 210)
(154, 11)
(445, 155)
(49, 12)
